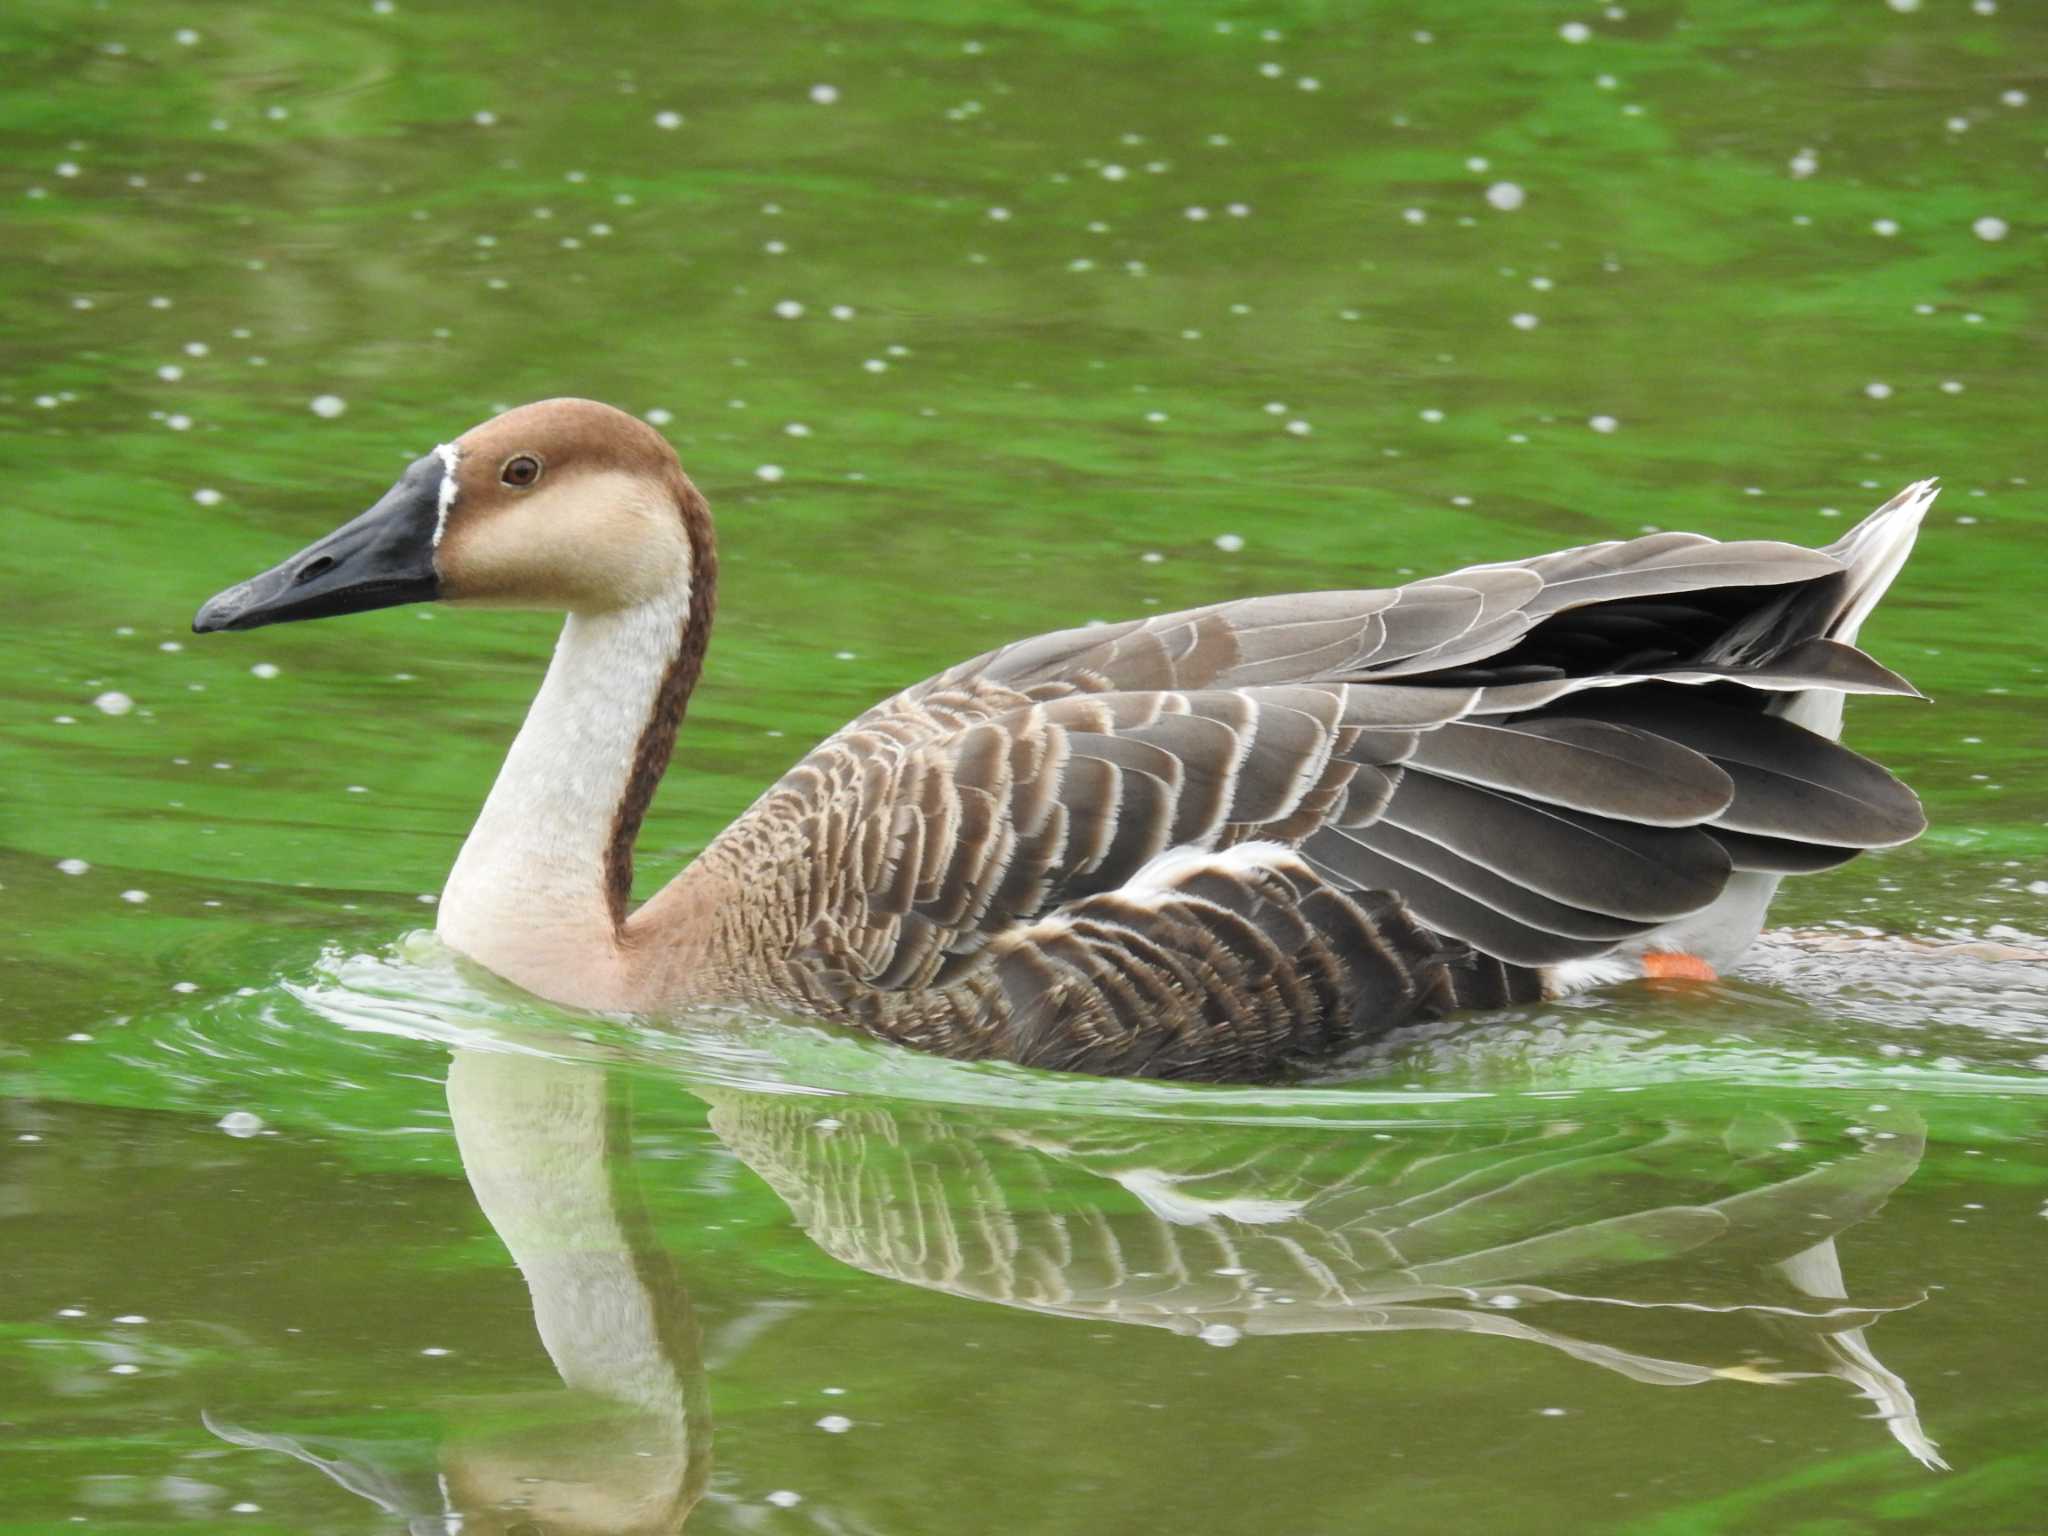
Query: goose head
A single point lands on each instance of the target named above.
(562, 504)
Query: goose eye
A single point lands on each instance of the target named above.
(521, 470)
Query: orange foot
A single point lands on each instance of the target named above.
(1670, 964)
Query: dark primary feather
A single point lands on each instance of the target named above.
(1480, 919)
(1787, 782)
(1454, 783)
(1610, 769)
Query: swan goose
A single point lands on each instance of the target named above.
(1218, 844)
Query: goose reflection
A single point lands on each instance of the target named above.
(1595, 1237)
(624, 1446)
(547, 1147)
(1672, 1250)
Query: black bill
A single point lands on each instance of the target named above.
(379, 560)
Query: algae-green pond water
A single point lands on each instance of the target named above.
(975, 321)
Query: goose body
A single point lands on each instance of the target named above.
(1216, 844)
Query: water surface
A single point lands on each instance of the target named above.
(974, 323)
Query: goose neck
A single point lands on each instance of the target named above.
(541, 885)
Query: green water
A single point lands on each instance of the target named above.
(304, 1228)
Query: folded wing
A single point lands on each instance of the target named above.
(1454, 785)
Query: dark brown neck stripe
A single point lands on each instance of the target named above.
(671, 699)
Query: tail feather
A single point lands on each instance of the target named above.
(1871, 553)
(1830, 611)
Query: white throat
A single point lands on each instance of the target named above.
(527, 895)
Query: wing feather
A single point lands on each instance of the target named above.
(1789, 782)
(1497, 891)
(1605, 768)
(1487, 929)
(1591, 862)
